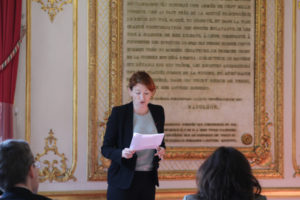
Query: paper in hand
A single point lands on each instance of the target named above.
(146, 141)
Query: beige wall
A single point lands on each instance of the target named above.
(50, 54)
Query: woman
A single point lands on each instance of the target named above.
(133, 175)
(226, 175)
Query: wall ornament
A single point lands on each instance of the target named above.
(55, 169)
(52, 7)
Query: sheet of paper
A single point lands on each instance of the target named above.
(146, 141)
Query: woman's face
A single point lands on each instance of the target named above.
(141, 95)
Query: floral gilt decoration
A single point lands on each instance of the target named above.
(52, 7)
(53, 169)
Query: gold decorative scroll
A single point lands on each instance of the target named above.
(53, 170)
(262, 155)
(294, 85)
(71, 171)
(52, 7)
(267, 149)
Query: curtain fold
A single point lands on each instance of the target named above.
(10, 26)
(6, 121)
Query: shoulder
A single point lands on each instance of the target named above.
(13, 196)
(155, 107)
(40, 197)
(192, 197)
(122, 109)
(260, 197)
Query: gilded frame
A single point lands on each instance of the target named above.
(270, 165)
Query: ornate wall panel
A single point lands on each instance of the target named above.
(43, 71)
(266, 152)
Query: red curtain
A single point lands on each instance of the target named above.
(10, 26)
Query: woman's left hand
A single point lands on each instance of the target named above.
(160, 152)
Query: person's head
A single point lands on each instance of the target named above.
(226, 174)
(141, 88)
(17, 166)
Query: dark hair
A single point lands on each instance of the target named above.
(227, 175)
(15, 161)
(142, 77)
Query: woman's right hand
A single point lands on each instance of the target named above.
(127, 153)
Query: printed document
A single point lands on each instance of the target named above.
(146, 141)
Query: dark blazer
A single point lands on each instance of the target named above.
(18, 193)
(118, 135)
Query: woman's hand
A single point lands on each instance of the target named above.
(127, 153)
(160, 152)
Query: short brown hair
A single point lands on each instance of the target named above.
(144, 78)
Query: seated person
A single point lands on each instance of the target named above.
(226, 175)
(18, 172)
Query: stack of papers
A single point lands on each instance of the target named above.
(146, 141)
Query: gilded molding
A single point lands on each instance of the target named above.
(177, 175)
(53, 170)
(96, 163)
(294, 89)
(75, 83)
(95, 167)
(260, 78)
(75, 88)
(105, 162)
(115, 60)
(28, 73)
(278, 89)
(92, 65)
(262, 155)
(52, 7)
